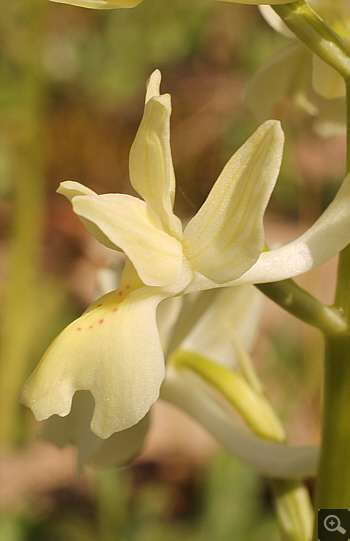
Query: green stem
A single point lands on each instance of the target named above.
(333, 481)
(305, 307)
(313, 32)
(25, 137)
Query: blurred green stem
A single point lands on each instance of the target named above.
(26, 139)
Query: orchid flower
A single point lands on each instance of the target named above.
(210, 323)
(100, 4)
(308, 81)
(114, 350)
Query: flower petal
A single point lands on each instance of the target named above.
(238, 310)
(226, 236)
(124, 222)
(117, 450)
(270, 459)
(100, 4)
(275, 21)
(285, 74)
(71, 189)
(113, 350)
(326, 81)
(190, 312)
(151, 167)
(325, 239)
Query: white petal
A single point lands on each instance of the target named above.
(193, 307)
(118, 449)
(168, 314)
(71, 189)
(113, 350)
(235, 310)
(226, 236)
(270, 459)
(126, 223)
(275, 21)
(151, 167)
(100, 4)
(325, 239)
(287, 74)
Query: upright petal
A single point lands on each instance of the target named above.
(124, 222)
(226, 236)
(151, 167)
(325, 239)
(113, 350)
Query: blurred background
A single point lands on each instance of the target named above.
(72, 95)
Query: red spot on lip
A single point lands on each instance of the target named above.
(78, 328)
(101, 321)
(91, 326)
(127, 287)
(115, 309)
(99, 305)
(120, 293)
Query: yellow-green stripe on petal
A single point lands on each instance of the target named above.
(100, 4)
(322, 241)
(226, 236)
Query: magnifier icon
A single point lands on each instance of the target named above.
(332, 524)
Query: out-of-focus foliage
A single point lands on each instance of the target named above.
(225, 500)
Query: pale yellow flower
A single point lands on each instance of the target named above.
(114, 350)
